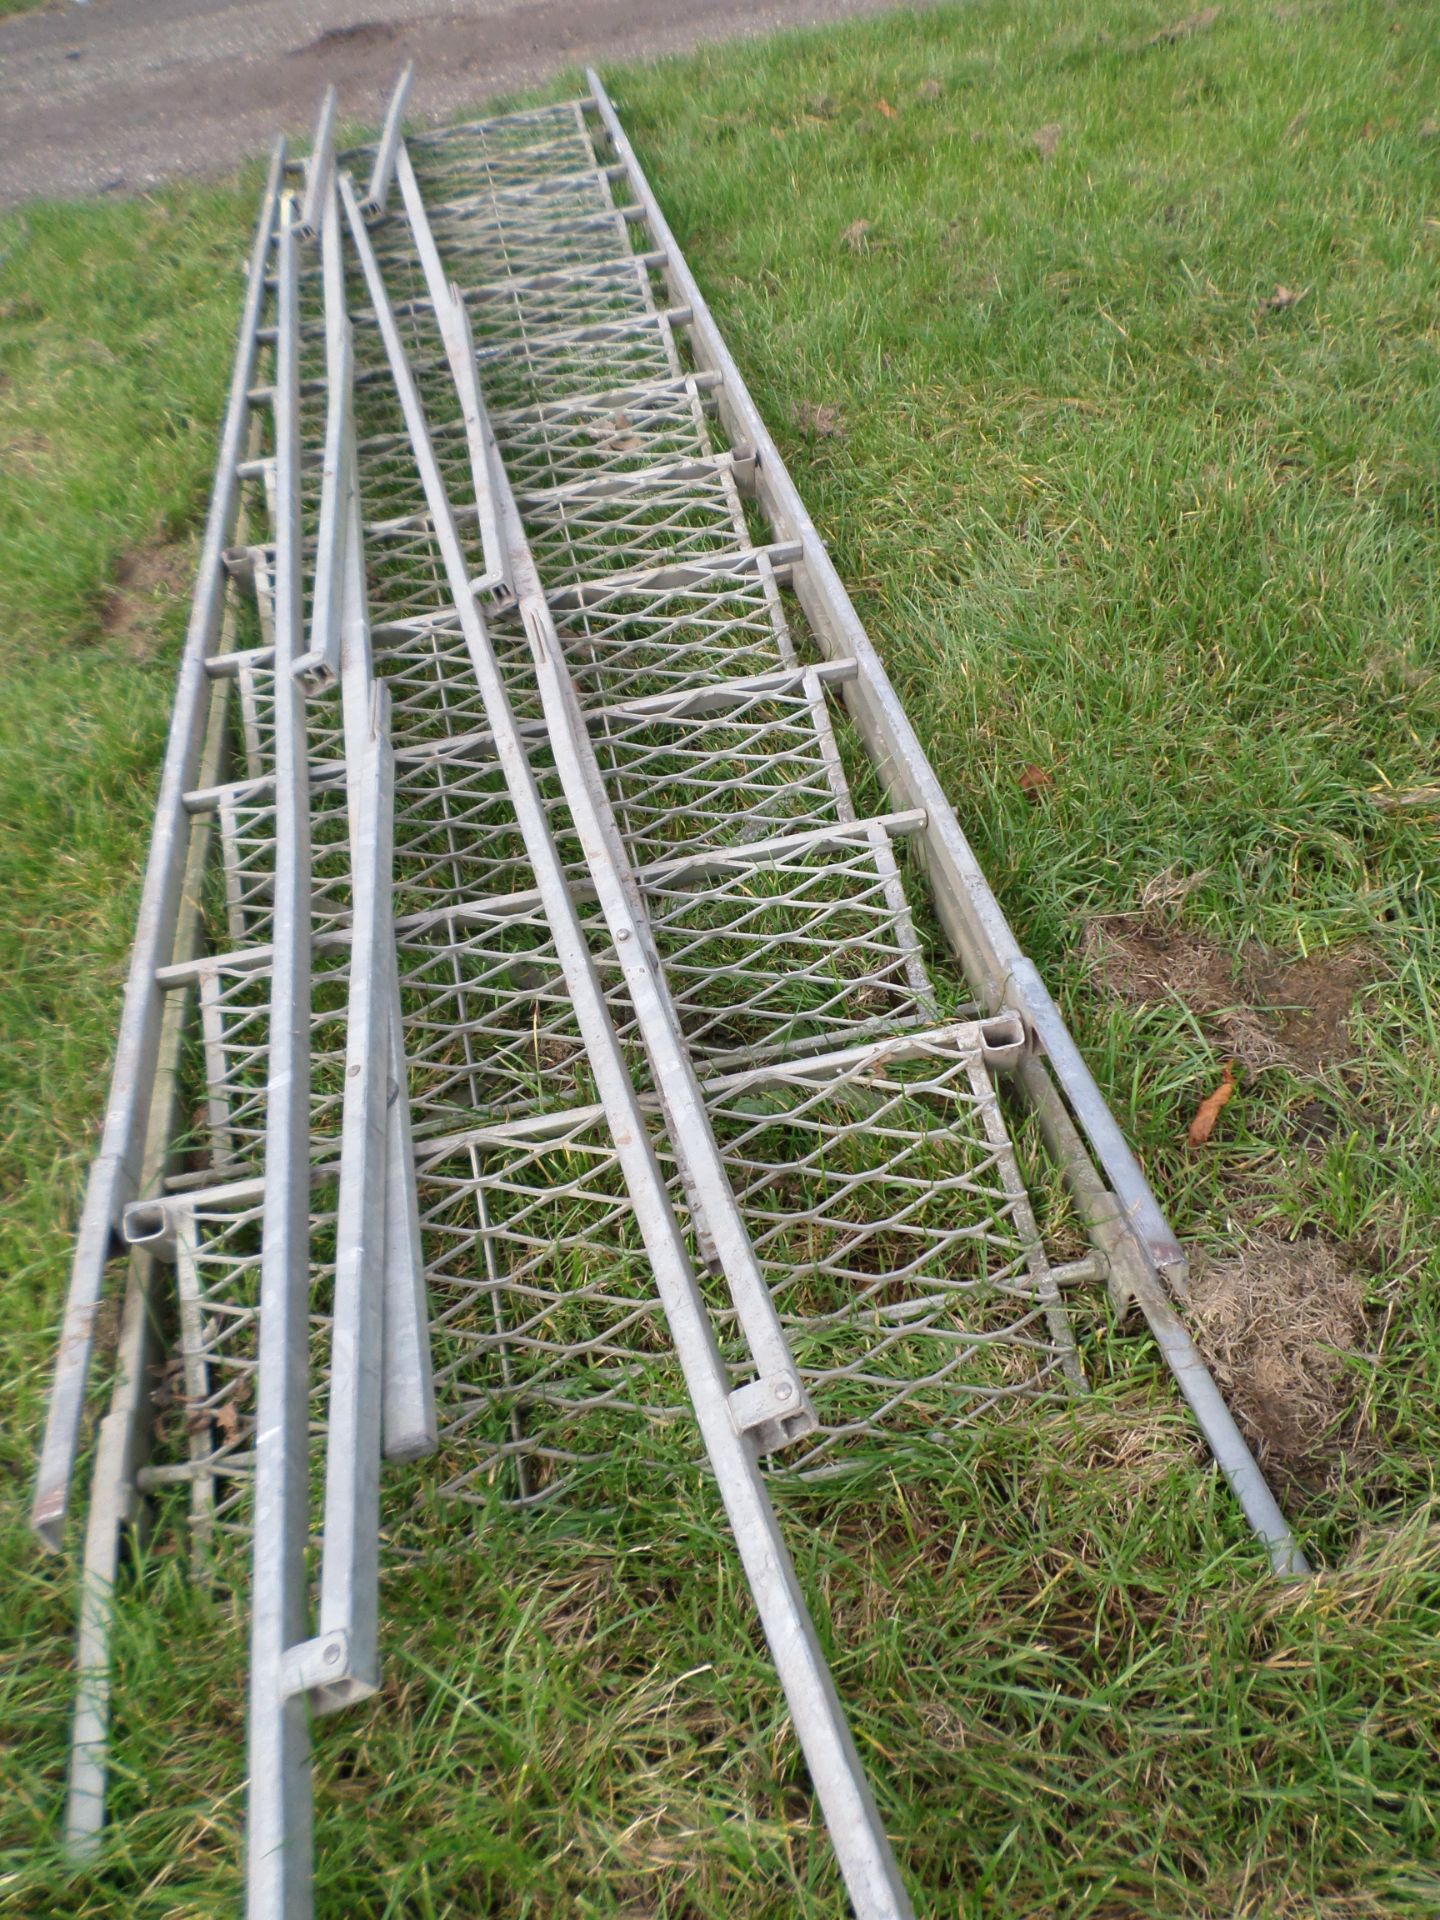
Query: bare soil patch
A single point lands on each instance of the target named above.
(1263, 1009)
(1276, 1323)
(148, 581)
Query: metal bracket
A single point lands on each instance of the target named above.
(744, 461)
(322, 1669)
(775, 1409)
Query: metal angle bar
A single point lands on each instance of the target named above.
(197, 1384)
(319, 668)
(492, 581)
(599, 486)
(279, 1838)
(859, 1835)
(115, 1174)
(342, 1664)
(231, 666)
(636, 398)
(748, 856)
(454, 320)
(629, 215)
(603, 486)
(623, 265)
(378, 191)
(695, 572)
(543, 338)
(153, 1222)
(713, 696)
(998, 1039)
(522, 117)
(530, 150)
(780, 555)
(319, 169)
(967, 907)
(756, 855)
(1133, 1280)
(541, 189)
(411, 1430)
(408, 1423)
(555, 278)
(239, 793)
(181, 973)
(540, 411)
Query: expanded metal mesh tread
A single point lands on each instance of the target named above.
(913, 1299)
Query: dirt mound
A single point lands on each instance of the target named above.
(1276, 1323)
(1265, 1010)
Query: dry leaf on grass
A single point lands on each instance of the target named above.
(1035, 779)
(1396, 799)
(1182, 29)
(227, 1418)
(623, 440)
(1046, 139)
(1282, 298)
(1203, 1125)
(857, 236)
(884, 106)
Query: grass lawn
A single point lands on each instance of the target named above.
(1106, 358)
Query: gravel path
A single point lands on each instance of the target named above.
(115, 95)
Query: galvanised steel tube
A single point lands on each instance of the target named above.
(123, 1440)
(409, 1426)
(115, 1176)
(279, 1838)
(859, 1838)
